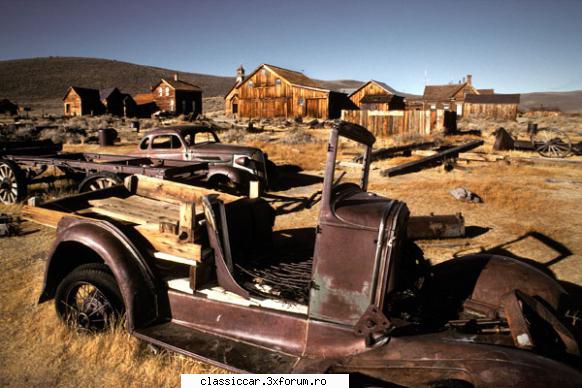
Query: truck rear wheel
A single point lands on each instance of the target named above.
(98, 182)
(13, 186)
(88, 298)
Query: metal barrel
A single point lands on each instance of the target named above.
(107, 136)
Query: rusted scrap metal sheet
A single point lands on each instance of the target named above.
(436, 226)
(41, 147)
(431, 160)
(385, 153)
(505, 142)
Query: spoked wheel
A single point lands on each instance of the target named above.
(12, 182)
(88, 299)
(551, 143)
(98, 182)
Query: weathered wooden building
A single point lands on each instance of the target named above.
(145, 104)
(112, 100)
(272, 91)
(448, 97)
(7, 107)
(82, 101)
(376, 95)
(177, 96)
(492, 106)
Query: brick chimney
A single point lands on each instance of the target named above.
(470, 79)
(176, 78)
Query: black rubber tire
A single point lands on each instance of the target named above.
(16, 177)
(100, 312)
(87, 183)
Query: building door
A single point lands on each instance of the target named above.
(184, 107)
(459, 109)
(312, 107)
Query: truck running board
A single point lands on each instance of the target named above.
(223, 352)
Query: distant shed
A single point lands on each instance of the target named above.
(82, 101)
(272, 91)
(145, 105)
(112, 100)
(376, 95)
(178, 97)
(492, 106)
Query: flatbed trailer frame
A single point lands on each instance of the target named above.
(93, 170)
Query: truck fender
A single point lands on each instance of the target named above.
(83, 241)
(237, 176)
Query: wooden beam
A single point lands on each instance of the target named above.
(172, 192)
(187, 223)
(161, 242)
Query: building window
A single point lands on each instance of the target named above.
(264, 71)
(172, 107)
(167, 91)
(301, 101)
(278, 82)
(161, 92)
(251, 84)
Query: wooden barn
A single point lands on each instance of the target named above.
(82, 101)
(7, 107)
(376, 95)
(112, 100)
(145, 105)
(272, 91)
(448, 97)
(492, 106)
(178, 97)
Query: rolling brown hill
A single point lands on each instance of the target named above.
(42, 82)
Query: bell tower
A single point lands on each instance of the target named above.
(240, 74)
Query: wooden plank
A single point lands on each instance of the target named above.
(169, 243)
(121, 216)
(187, 221)
(172, 192)
(155, 212)
(175, 259)
(161, 242)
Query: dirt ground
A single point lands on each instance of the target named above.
(529, 210)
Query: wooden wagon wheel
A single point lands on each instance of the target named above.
(99, 181)
(551, 143)
(12, 182)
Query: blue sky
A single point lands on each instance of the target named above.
(512, 45)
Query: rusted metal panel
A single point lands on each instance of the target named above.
(436, 226)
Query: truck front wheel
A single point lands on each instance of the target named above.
(88, 298)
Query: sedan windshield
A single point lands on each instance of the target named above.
(197, 136)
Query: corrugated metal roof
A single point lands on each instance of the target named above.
(441, 92)
(492, 98)
(104, 93)
(180, 85)
(143, 98)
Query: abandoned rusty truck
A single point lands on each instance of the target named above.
(203, 274)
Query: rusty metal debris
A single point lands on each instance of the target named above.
(429, 161)
(8, 226)
(548, 142)
(436, 226)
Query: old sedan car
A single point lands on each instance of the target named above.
(229, 165)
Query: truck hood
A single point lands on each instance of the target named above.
(221, 148)
(361, 209)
